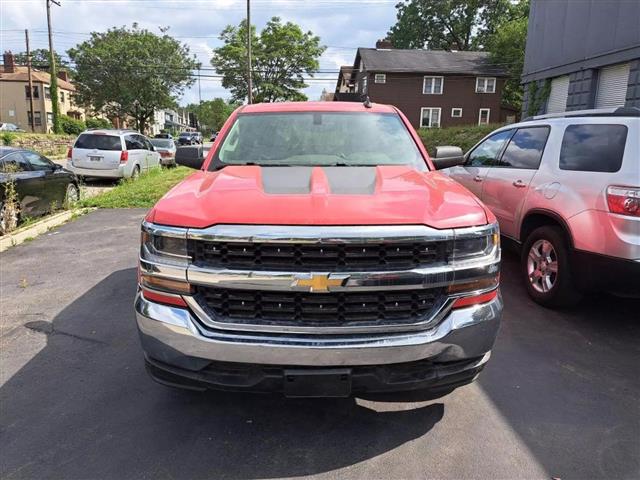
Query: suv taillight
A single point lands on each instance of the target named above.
(124, 156)
(624, 200)
(70, 152)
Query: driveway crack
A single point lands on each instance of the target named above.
(42, 326)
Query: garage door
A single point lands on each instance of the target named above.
(558, 96)
(612, 86)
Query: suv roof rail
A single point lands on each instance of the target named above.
(599, 112)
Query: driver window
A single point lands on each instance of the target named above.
(38, 162)
(485, 154)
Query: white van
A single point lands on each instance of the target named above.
(112, 154)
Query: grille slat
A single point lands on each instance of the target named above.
(317, 309)
(335, 257)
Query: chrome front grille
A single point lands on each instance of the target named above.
(307, 257)
(301, 309)
(321, 280)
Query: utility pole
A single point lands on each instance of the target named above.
(249, 85)
(199, 91)
(53, 87)
(32, 122)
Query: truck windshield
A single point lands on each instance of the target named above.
(319, 138)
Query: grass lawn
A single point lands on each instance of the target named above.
(141, 193)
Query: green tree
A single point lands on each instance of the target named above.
(213, 113)
(131, 72)
(282, 54)
(446, 24)
(71, 126)
(507, 45)
(40, 59)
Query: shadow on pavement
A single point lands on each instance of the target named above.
(83, 407)
(568, 382)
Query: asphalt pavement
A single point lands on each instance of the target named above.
(559, 398)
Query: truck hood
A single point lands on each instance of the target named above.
(382, 195)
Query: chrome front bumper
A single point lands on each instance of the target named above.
(175, 337)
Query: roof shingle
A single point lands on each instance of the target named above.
(20, 74)
(430, 61)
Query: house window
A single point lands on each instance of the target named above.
(456, 112)
(432, 85)
(61, 96)
(483, 116)
(485, 85)
(49, 118)
(36, 92)
(430, 117)
(364, 84)
(36, 116)
(47, 92)
(380, 78)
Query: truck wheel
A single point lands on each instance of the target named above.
(546, 268)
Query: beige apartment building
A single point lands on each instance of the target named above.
(14, 97)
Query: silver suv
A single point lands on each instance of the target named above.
(112, 154)
(567, 189)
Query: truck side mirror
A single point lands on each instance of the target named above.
(191, 157)
(447, 156)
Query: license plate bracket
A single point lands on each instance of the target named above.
(326, 382)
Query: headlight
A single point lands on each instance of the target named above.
(165, 245)
(476, 243)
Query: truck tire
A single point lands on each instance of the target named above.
(546, 268)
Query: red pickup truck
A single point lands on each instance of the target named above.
(317, 252)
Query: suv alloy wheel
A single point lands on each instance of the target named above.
(546, 268)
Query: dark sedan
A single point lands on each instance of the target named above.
(39, 186)
(187, 138)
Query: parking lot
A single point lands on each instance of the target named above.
(559, 397)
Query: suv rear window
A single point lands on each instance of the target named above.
(99, 142)
(593, 148)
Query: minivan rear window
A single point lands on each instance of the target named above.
(593, 148)
(99, 142)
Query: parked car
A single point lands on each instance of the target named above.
(317, 252)
(566, 188)
(10, 127)
(187, 138)
(167, 150)
(197, 136)
(214, 135)
(112, 154)
(40, 185)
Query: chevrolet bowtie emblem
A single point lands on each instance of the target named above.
(320, 282)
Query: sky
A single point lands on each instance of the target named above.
(342, 25)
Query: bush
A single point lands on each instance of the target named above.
(98, 123)
(71, 126)
(464, 137)
(8, 138)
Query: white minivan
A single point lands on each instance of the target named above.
(112, 154)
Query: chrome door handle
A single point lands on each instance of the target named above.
(519, 184)
(477, 178)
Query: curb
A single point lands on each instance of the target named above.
(22, 234)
